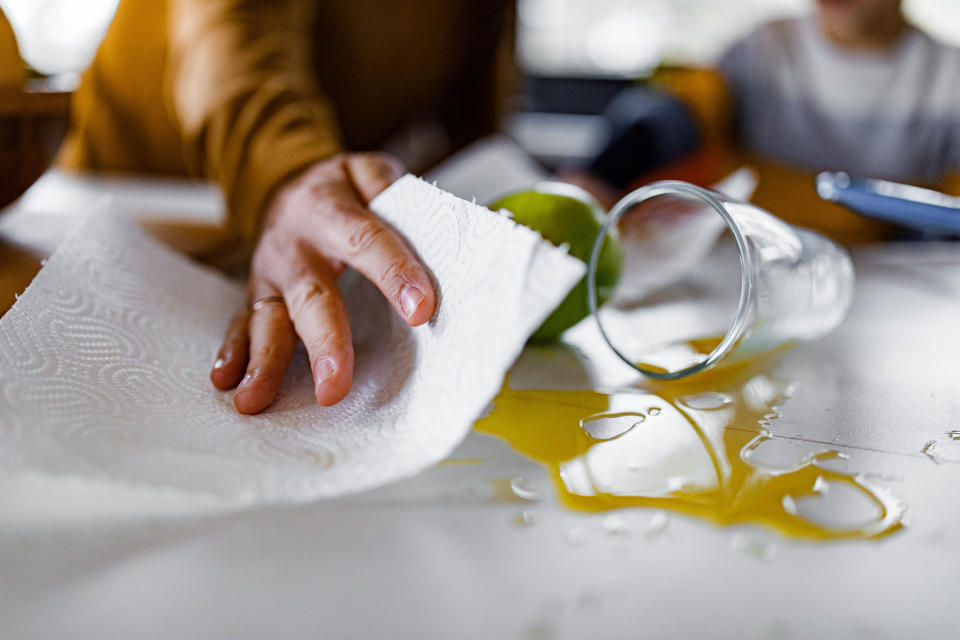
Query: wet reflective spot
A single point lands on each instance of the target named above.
(709, 454)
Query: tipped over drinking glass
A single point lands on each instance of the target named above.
(708, 301)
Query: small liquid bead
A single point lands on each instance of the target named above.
(607, 426)
(707, 401)
(526, 518)
(656, 526)
(614, 525)
(520, 487)
(754, 547)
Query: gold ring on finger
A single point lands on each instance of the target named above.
(267, 300)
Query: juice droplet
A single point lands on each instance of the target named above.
(655, 411)
(512, 490)
(841, 506)
(615, 526)
(520, 487)
(606, 426)
(789, 505)
(820, 485)
(754, 547)
(928, 450)
(707, 401)
(953, 435)
(656, 526)
(526, 518)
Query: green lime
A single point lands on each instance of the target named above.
(573, 220)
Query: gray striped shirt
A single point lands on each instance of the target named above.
(802, 100)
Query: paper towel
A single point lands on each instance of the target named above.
(104, 361)
(487, 170)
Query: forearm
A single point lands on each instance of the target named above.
(240, 83)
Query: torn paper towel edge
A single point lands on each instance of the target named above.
(544, 259)
(488, 169)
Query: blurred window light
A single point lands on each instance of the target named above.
(939, 18)
(704, 29)
(618, 38)
(626, 38)
(59, 36)
(627, 43)
(610, 38)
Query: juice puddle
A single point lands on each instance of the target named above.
(686, 449)
(675, 356)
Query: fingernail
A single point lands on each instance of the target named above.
(410, 299)
(323, 371)
(219, 363)
(243, 383)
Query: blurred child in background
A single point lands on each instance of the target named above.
(853, 87)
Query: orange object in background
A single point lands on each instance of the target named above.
(792, 195)
(787, 192)
(12, 71)
(33, 120)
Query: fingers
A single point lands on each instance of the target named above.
(271, 346)
(371, 173)
(313, 308)
(320, 318)
(338, 224)
(317, 224)
(232, 358)
(374, 249)
(353, 235)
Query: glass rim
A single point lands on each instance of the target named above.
(739, 324)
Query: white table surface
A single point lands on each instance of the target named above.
(441, 556)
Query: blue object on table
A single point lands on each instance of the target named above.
(924, 210)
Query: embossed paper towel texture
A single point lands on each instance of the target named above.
(104, 361)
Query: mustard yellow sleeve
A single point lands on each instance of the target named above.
(239, 80)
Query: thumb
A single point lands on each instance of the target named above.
(371, 173)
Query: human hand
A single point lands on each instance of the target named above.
(315, 226)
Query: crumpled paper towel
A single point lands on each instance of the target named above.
(104, 361)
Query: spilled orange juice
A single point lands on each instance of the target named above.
(674, 356)
(679, 355)
(682, 447)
